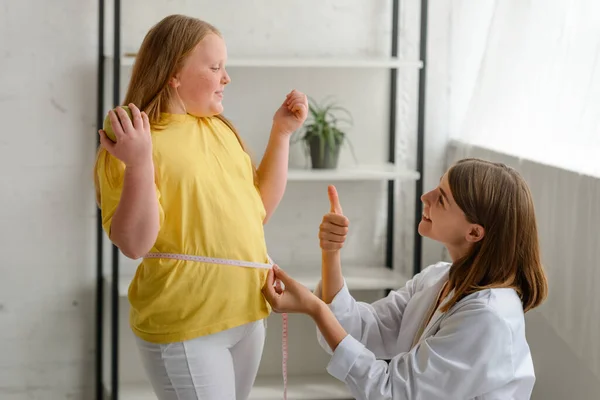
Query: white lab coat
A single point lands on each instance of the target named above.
(476, 350)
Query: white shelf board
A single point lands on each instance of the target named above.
(306, 62)
(357, 278)
(317, 387)
(353, 173)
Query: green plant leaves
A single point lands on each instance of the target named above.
(323, 123)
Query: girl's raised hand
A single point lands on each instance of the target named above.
(133, 145)
(291, 114)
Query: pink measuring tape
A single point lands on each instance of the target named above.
(247, 264)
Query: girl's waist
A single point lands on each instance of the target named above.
(238, 261)
(157, 278)
(168, 250)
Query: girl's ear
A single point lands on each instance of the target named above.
(174, 82)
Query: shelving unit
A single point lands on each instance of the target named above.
(301, 62)
(358, 173)
(358, 277)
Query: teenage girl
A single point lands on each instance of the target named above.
(178, 182)
(454, 331)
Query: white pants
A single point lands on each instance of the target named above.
(221, 366)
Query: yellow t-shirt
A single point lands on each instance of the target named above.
(209, 206)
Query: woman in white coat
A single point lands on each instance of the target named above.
(454, 331)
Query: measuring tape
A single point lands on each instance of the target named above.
(247, 264)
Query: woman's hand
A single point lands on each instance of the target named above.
(334, 227)
(292, 113)
(332, 235)
(296, 298)
(134, 143)
(292, 298)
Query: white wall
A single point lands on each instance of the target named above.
(47, 98)
(48, 101)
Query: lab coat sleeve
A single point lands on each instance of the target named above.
(470, 355)
(374, 325)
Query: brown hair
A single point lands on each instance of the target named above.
(162, 53)
(497, 198)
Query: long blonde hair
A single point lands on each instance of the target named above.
(161, 55)
(496, 197)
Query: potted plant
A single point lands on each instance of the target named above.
(321, 134)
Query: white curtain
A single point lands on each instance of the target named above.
(528, 79)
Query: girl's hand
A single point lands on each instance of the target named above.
(292, 113)
(293, 298)
(334, 227)
(134, 144)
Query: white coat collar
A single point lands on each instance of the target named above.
(432, 296)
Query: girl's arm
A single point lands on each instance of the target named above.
(272, 171)
(129, 199)
(135, 223)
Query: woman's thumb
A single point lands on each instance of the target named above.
(280, 274)
(334, 200)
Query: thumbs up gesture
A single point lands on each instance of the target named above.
(334, 227)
